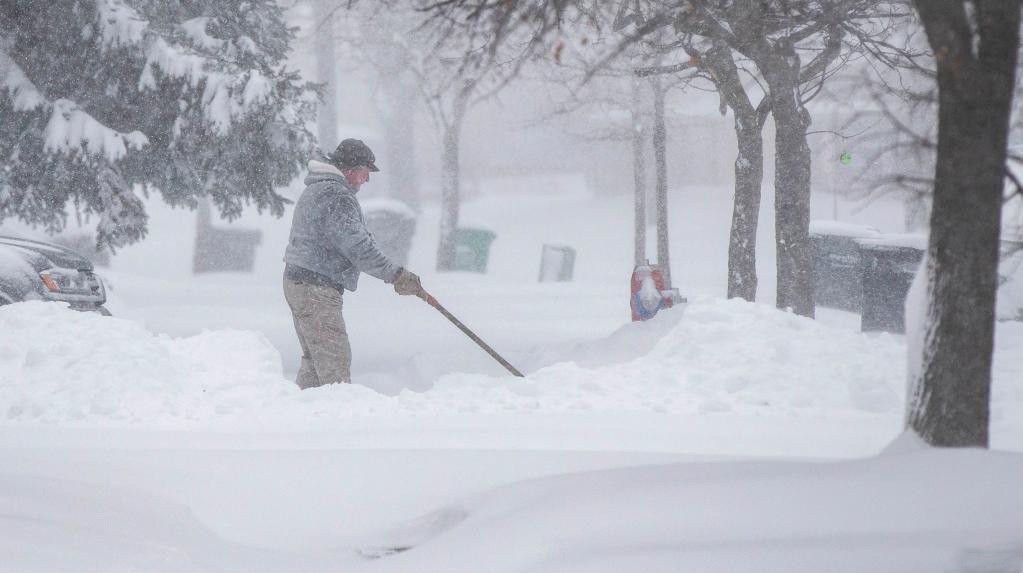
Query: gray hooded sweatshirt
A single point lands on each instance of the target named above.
(329, 235)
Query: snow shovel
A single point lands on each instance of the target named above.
(472, 335)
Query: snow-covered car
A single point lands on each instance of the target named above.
(36, 270)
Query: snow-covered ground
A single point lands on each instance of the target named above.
(902, 511)
(170, 437)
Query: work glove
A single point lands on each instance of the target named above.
(407, 283)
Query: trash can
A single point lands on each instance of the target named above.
(393, 224)
(889, 264)
(836, 264)
(557, 263)
(1010, 278)
(472, 249)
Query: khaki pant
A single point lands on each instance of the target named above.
(326, 353)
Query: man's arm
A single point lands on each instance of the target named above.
(352, 238)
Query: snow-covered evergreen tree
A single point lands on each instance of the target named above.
(101, 100)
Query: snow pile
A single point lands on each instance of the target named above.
(60, 366)
(907, 511)
(60, 525)
(721, 356)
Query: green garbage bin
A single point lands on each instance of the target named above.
(472, 249)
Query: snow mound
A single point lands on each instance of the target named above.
(58, 365)
(884, 514)
(65, 367)
(61, 525)
(722, 356)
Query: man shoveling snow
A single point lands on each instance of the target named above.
(328, 249)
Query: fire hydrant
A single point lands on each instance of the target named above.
(650, 293)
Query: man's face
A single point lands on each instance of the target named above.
(356, 176)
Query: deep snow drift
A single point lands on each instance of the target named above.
(906, 511)
(49, 525)
(914, 510)
(63, 367)
(58, 366)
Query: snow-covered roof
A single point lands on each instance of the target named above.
(389, 205)
(896, 240)
(842, 229)
(13, 263)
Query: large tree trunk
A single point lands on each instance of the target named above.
(660, 138)
(742, 241)
(950, 400)
(749, 172)
(639, 175)
(326, 72)
(781, 70)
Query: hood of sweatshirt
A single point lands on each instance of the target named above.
(320, 172)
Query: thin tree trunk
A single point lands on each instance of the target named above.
(639, 174)
(660, 138)
(791, 183)
(749, 172)
(399, 125)
(950, 401)
(915, 217)
(451, 181)
(326, 72)
(450, 196)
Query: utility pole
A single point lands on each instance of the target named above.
(639, 173)
(660, 137)
(326, 72)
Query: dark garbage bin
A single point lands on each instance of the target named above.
(836, 264)
(393, 225)
(557, 263)
(472, 249)
(889, 264)
(1010, 278)
(222, 248)
(225, 250)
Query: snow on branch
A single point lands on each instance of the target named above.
(257, 89)
(119, 24)
(195, 29)
(71, 128)
(225, 96)
(174, 62)
(23, 92)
